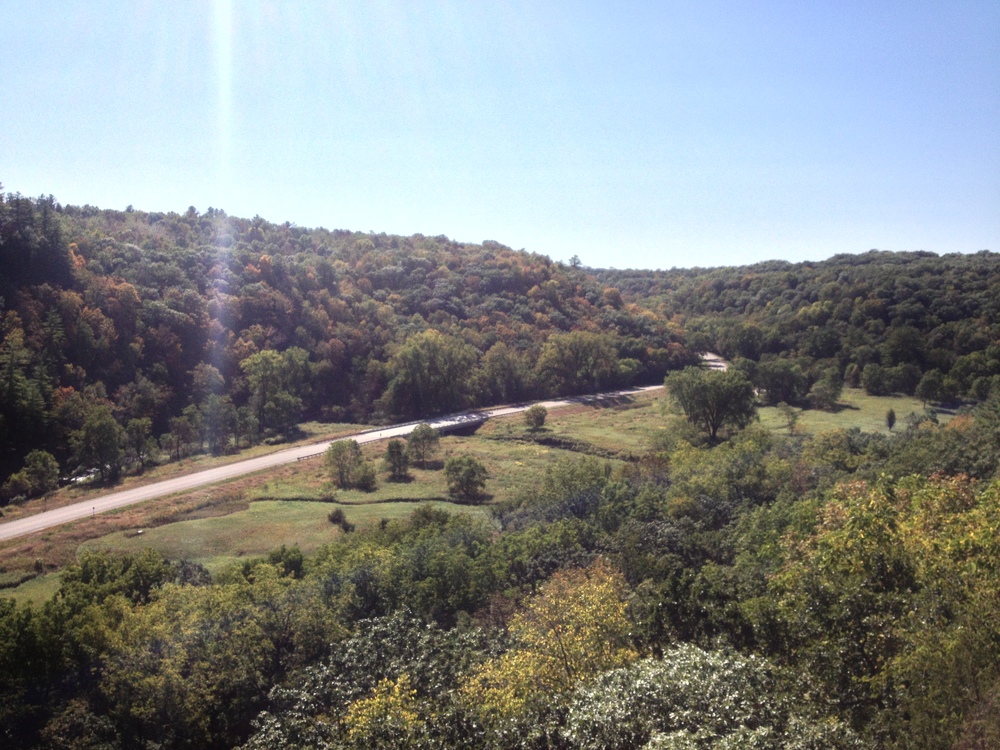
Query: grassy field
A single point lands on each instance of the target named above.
(855, 409)
(616, 427)
(37, 590)
(265, 525)
(290, 504)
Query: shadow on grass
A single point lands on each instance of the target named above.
(839, 407)
(606, 402)
(288, 436)
(389, 500)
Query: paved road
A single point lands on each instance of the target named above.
(93, 506)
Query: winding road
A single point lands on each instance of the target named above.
(104, 503)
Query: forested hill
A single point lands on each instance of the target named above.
(892, 322)
(251, 326)
(205, 330)
(717, 584)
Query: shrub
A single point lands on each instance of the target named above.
(337, 518)
(534, 417)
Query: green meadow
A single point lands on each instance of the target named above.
(264, 526)
(855, 409)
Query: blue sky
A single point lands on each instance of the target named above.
(646, 134)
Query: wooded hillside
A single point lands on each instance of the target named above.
(206, 331)
(891, 322)
(215, 331)
(685, 577)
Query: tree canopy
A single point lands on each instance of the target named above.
(713, 399)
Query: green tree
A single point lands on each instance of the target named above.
(825, 391)
(246, 427)
(875, 380)
(578, 362)
(741, 340)
(466, 477)
(534, 417)
(397, 461)
(282, 411)
(218, 420)
(574, 628)
(931, 387)
(890, 600)
(140, 445)
(178, 441)
(343, 459)
(274, 380)
(22, 405)
(140, 399)
(423, 443)
(206, 380)
(195, 664)
(505, 374)
(430, 374)
(39, 475)
(100, 443)
(780, 380)
(713, 399)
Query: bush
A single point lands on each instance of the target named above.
(39, 475)
(366, 478)
(534, 417)
(337, 518)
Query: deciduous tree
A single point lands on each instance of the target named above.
(343, 459)
(396, 460)
(431, 374)
(423, 443)
(713, 399)
(575, 628)
(100, 443)
(40, 474)
(466, 477)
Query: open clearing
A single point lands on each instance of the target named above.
(264, 526)
(855, 409)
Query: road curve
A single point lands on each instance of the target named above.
(93, 506)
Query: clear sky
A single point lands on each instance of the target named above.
(632, 134)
